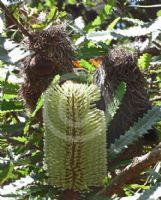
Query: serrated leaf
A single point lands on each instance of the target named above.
(134, 31)
(134, 21)
(135, 132)
(4, 56)
(11, 52)
(99, 36)
(152, 194)
(144, 61)
(11, 105)
(115, 103)
(11, 2)
(11, 190)
(6, 170)
(8, 87)
(140, 30)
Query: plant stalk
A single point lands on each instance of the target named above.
(70, 194)
(9, 14)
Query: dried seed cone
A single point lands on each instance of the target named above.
(53, 55)
(120, 65)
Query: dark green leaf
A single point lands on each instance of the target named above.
(11, 105)
(6, 170)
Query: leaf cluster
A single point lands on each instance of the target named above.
(21, 136)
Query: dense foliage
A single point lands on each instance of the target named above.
(94, 27)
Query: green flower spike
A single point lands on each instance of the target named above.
(75, 136)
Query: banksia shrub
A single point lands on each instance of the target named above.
(52, 54)
(75, 136)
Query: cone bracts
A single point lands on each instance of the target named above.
(120, 65)
(52, 54)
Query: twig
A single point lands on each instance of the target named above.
(10, 15)
(158, 98)
(146, 6)
(70, 195)
(137, 166)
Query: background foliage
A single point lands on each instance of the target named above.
(94, 27)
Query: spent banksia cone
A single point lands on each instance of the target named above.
(52, 55)
(120, 65)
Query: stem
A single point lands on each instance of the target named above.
(70, 195)
(14, 20)
(138, 165)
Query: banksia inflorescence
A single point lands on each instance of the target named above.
(120, 65)
(52, 54)
(75, 136)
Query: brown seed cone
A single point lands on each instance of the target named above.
(53, 55)
(41, 67)
(32, 87)
(121, 65)
(53, 45)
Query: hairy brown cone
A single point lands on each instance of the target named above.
(41, 67)
(53, 55)
(120, 65)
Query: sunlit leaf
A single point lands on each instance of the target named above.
(87, 65)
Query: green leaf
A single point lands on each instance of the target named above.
(113, 24)
(27, 127)
(20, 139)
(144, 61)
(137, 186)
(87, 65)
(8, 87)
(4, 51)
(133, 31)
(3, 143)
(11, 105)
(39, 105)
(134, 21)
(90, 52)
(4, 55)
(99, 36)
(13, 189)
(79, 77)
(159, 13)
(12, 128)
(153, 193)
(102, 16)
(116, 101)
(71, 1)
(12, 2)
(38, 26)
(6, 170)
(136, 131)
(52, 14)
